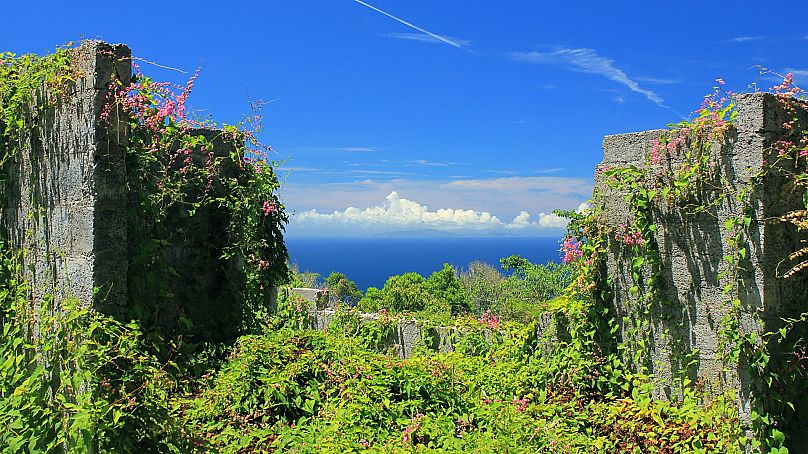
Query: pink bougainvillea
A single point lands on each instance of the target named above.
(490, 320)
(628, 237)
(570, 250)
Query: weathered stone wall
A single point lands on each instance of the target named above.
(65, 200)
(67, 204)
(408, 333)
(685, 326)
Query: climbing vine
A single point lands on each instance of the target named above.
(682, 177)
(72, 376)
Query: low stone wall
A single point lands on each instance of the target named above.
(408, 333)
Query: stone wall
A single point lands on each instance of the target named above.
(65, 200)
(66, 204)
(685, 326)
(409, 333)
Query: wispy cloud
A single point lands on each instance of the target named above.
(557, 185)
(657, 80)
(420, 162)
(798, 73)
(378, 172)
(297, 169)
(415, 27)
(744, 39)
(424, 38)
(587, 61)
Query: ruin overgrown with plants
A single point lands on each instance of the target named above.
(147, 304)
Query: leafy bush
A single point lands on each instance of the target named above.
(312, 392)
(303, 279)
(520, 296)
(342, 288)
(407, 292)
(445, 285)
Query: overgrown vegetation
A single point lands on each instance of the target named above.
(536, 365)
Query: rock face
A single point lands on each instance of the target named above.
(681, 335)
(66, 206)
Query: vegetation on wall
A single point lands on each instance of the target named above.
(682, 174)
(73, 377)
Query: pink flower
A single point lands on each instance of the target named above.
(490, 320)
(269, 208)
(655, 146)
(416, 425)
(521, 404)
(627, 237)
(571, 250)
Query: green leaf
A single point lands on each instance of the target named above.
(778, 437)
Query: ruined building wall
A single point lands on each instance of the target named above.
(681, 334)
(66, 204)
(65, 199)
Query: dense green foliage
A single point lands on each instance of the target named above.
(342, 288)
(521, 295)
(312, 392)
(535, 365)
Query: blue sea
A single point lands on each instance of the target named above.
(370, 261)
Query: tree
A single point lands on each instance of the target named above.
(445, 285)
(343, 289)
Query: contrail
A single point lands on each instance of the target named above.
(438, 37)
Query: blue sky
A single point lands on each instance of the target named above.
(470, 118)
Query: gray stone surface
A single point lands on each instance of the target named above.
(71, 173)
(692, 248)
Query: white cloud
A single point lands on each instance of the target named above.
(551, 221)
(503, 198)
(798, 73)
(587, 61)
(345, 149)
(557, 185)
(658, 80)
(396, 214)
(744, 39)
(522, 219)
(420, 162)
(427, 38)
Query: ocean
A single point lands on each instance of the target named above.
(370, 261)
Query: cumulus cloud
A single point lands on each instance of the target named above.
(547, 221)
(397, 214)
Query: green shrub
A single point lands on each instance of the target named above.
(445, 285)
(407, 292)
(342, 288)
